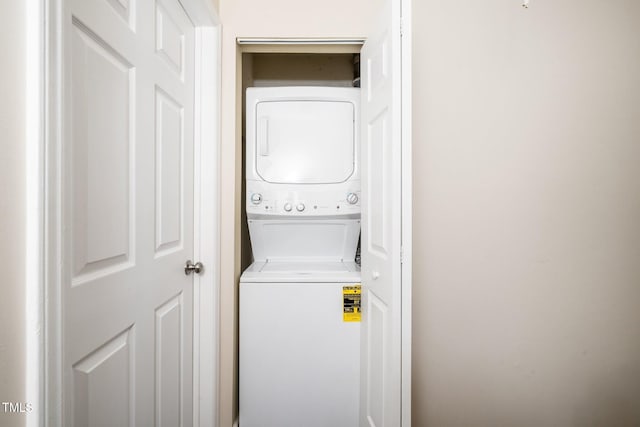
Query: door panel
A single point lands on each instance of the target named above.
(122, 8)
(127, 166)
(169, 373)
(378, 176)
(169, 39)
(102, 104)
(381, 223)
(375, 378)
(169, 147)
(103, 384)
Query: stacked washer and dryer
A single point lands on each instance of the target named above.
(299, 349)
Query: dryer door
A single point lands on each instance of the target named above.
(305, 142)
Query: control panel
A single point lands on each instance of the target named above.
(303, 202)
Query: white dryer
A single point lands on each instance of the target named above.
(303, 172)
(299, 335)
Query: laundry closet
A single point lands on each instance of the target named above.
(311, 336)
(300, 293)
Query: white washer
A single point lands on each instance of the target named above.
(299, 360)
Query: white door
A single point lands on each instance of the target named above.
(380, 391)
(127, 213)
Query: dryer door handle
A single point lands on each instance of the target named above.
(263, 136)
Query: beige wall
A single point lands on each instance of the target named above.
(527, 213)
(258, 18)
(12, 209)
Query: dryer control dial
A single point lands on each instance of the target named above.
(256, 198)
(288, 207)
(352, 198)
(300, 207)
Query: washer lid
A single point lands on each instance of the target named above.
(305, 141)
(302, 272)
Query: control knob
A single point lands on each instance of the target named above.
(288, 207)
(300, 207)
(352, 198)
(256, 198)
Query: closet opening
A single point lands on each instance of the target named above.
(262, 65)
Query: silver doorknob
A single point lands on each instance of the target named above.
(190, 267)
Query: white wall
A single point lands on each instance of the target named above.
(527, 213)
(259, 18)
(12, 209)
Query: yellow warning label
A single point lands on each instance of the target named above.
(351, 303)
